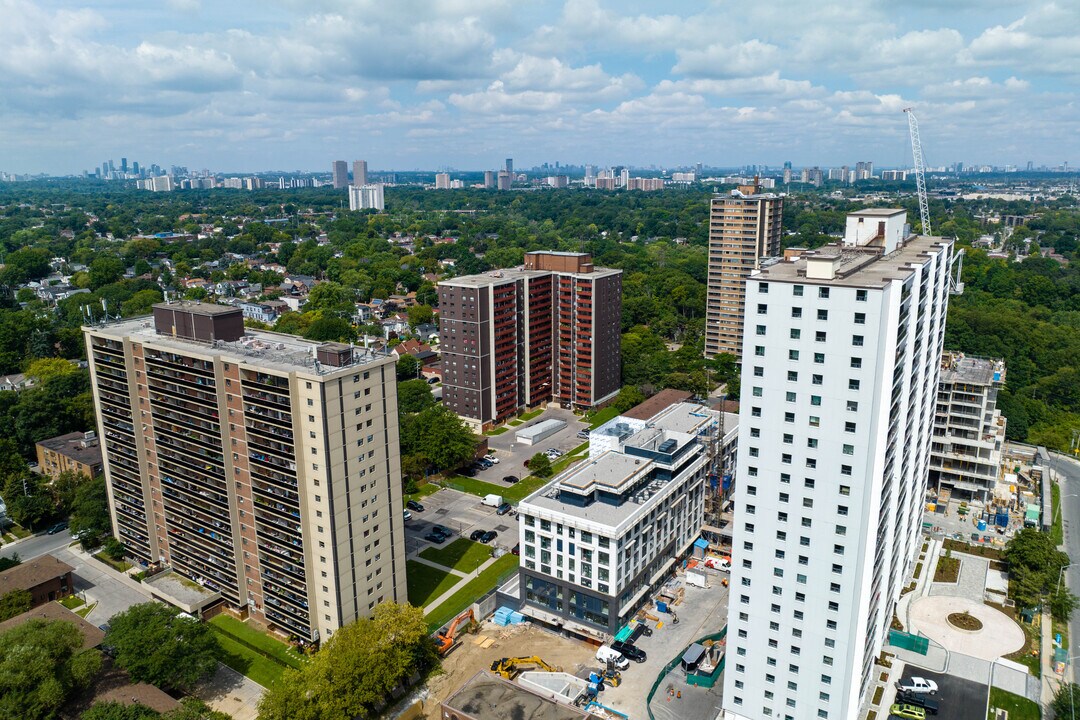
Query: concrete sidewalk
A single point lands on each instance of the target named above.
(457, 586)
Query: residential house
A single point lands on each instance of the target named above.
(418, 350)
(16, 382)
(46, 578)
(265, 312)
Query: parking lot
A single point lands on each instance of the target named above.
(461, 513)
(957, 699)
(513, 454)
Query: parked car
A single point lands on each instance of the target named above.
(491, 458)
(917, 685)
(469, 471)
(441, 530)
(488, 536)
(511, 479)
(516, 549)
(504, 508)
(435, 538)
(408, 515)
(910, 698)
(414, 506)
(639, 630)
(476, 535)
(432, 380)
(583, 434)
(632, 652)
(57, 528)
(908, 712)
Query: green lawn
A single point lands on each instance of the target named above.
(496, 431)
(1019, 708)
(120, 565)
(515, 423)
(476, 588)
(602, 417)
(240, 658)
(511, 493)
(422, 492)
(84, 611)
(71, 601)
(244, 633)
(1057, 534)
(526, 417)
(463, 554)
(427, 583)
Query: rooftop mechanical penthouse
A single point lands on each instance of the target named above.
(259, 465)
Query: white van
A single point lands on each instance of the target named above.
(605, 653)
(492, 500)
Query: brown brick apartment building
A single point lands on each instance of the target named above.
(512, 339)
(744, 227)
(77, 451)
(261, 465)
(46, 578)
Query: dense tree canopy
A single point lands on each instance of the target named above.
(356, 668)
(41, 664)
(155, 645)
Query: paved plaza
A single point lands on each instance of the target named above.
(999, 635)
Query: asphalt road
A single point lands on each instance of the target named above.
(957, 698)
(31, 547)
(1069, 473)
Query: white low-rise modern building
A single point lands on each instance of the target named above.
(841, 354)
(601, 535)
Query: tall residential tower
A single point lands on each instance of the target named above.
(341, 173)
(839, 379)
(744, 228)
(259, 465)
(512, 339)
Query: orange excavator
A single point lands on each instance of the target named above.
(446, 641)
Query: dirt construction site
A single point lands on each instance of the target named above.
(491, 642)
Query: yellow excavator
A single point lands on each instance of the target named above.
(510, 668)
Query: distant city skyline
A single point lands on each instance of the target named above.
(253, 86)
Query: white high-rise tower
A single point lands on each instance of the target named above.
(841, 354)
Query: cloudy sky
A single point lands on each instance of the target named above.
(293, 84)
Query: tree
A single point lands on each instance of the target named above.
(1034, 564)
(414, 396)
(154, 644)
(540, 465)
(15, 602)
(331, 328)
(331, 299)
(114, 548)
(6, 563)
(439, 435)
(1062, 604)
(120, 711)
(1066, 701)
(628, 397)
(420, 315)
(358, 667)
(41, 663)
(104, 270)
(408, 367)
(46, 369)
(90, 519)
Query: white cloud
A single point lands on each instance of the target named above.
(718, 60)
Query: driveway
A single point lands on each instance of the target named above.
(230, 692)
(99, 584)
(461, 513)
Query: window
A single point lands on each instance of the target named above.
(845, 469)
(796, 312)
(800, 578)
(856, 362)
(817, 379)
(755, 432)
(809, 483)
(785, 458)
(797, 291)
(792, 376)
(811, 463)
(860, 295)
(808, 502)
(785, 478)
(841, 530)
(759, 371)
(834, 587)
(822, 314)
(760, 329)
(819, 358)
(789, 417)
(815, 400)
(857, 340)
(820, 336)
(849, 427)
(751, 490)
(852, 384)
(838, 549)
(788, 438)
(815, 421)
(757, 391)
(852, 406)
(759, 350)
(837, 568)
(763, 288)
(781, 516)
(823, 292)
(755, 412)
(841, 510)
(807, 522)
(762, 309)
(795, 335)
(845, 489)
(789, 396)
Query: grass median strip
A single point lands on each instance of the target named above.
(462, 554)
(472, 591)
(426, 583)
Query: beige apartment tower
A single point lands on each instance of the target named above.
(259, 465)
(744, 228)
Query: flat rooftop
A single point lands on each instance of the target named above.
(180, 591)
(858, 267)
(496, 277)
(261, 348)
(879, 212)
(76, 446)
(487, 697)
(961, 368)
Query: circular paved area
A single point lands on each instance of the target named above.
(1000, 635)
